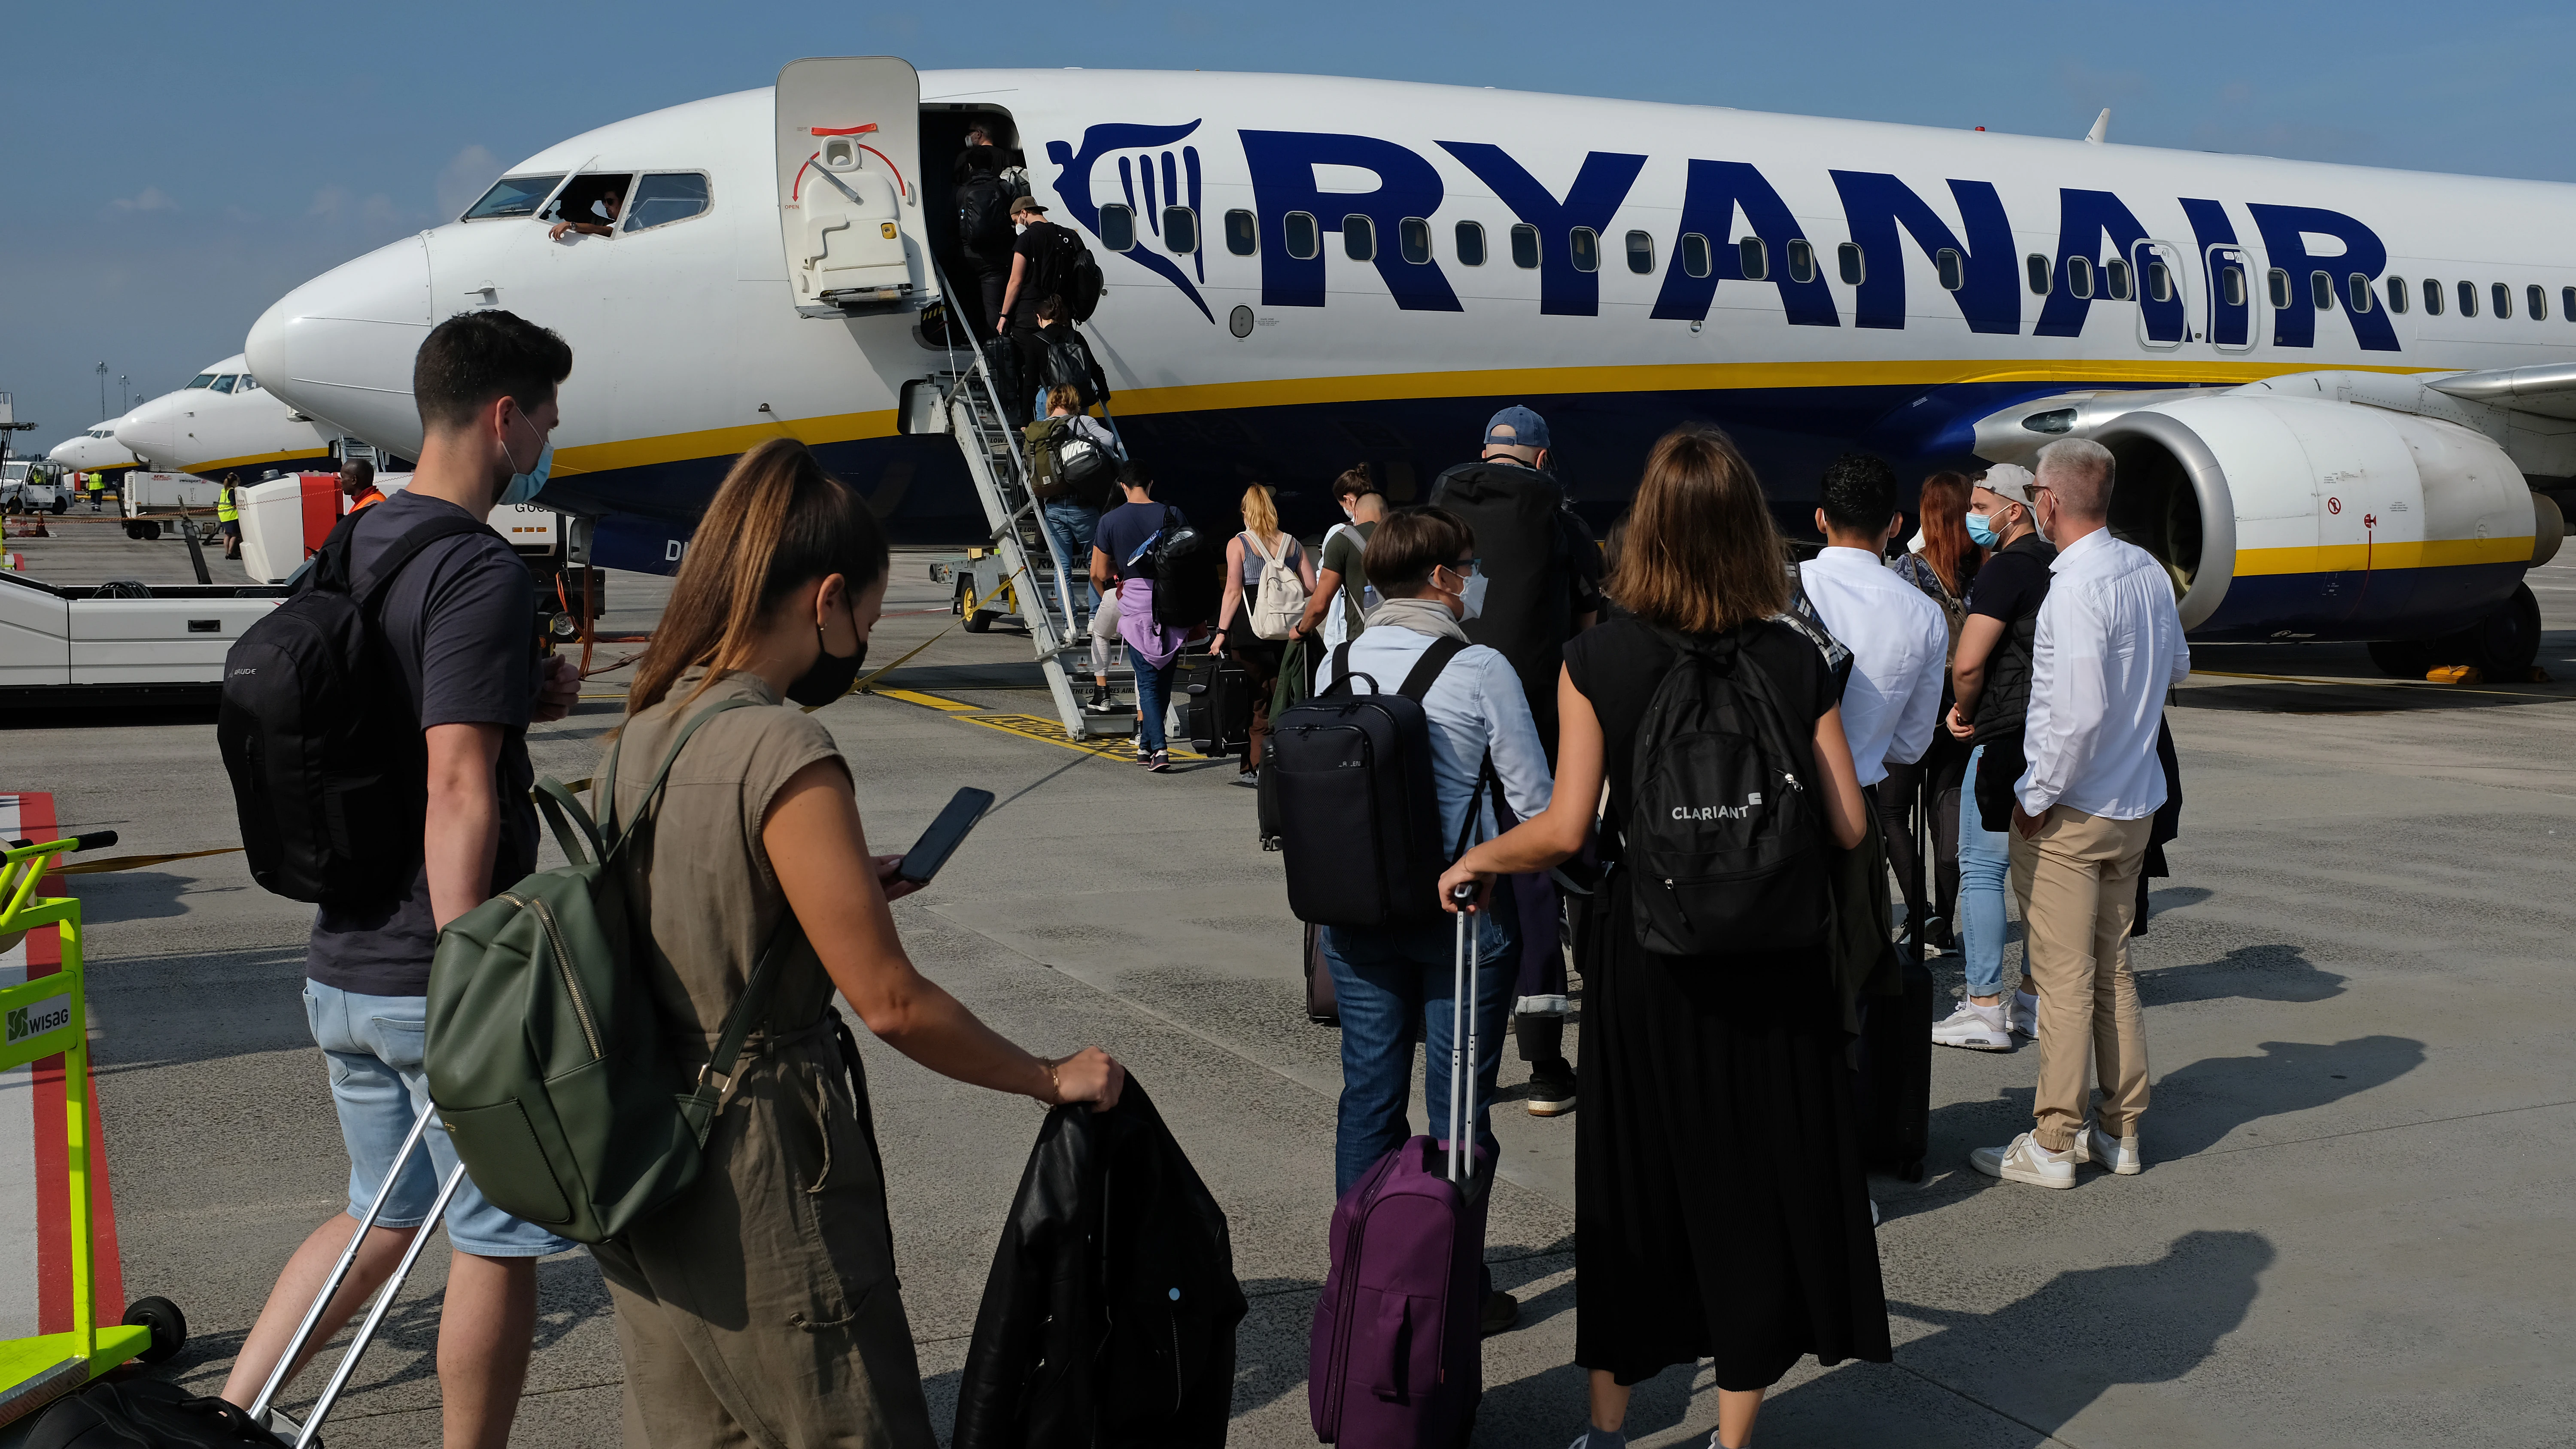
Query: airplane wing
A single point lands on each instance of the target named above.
(2547, 390)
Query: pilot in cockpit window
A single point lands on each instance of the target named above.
(596, 218)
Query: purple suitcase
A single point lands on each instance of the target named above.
(1397, 1358)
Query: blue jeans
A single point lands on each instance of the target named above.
(1983, 865)
(1386, 983)
(1070, 525)
(1153, 696)
(379, 1087)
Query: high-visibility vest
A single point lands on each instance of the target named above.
(226, 511)
(97, 482)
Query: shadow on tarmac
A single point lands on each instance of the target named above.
(2140, 1323)
(2278, 972)
(2199, 1105)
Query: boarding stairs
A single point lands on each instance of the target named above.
(1045, 587)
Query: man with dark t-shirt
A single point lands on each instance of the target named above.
(1991, 675)
(458, 624)
(1037, 272)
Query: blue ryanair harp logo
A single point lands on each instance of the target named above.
(1155, 177)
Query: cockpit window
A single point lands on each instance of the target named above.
(514, 196)
(248, 383)
(592, 200)
(203, 379)
(666, 198)
(224, 383)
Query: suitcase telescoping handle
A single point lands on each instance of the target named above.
(1462, 1029)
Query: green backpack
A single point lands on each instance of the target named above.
(545, 1049)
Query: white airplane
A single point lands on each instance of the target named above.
(2332, 389)
(222, 422)
(95, 450)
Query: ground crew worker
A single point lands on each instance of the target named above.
(358, 484)
(228, 515)
(97, 490)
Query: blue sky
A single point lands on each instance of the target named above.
(172, 169)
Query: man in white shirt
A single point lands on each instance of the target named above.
(1900, 644)
(2108, 647)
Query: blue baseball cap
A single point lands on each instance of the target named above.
(1516, 427)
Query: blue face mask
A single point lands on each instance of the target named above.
(1982, 529)
(524, 486)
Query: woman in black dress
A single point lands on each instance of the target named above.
(1720, 1210)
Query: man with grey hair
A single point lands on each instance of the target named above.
(2108, 646)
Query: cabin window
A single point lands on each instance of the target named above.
(1641, 253)
(513, 196)
(224, 383)
(2397, 294)
(2468, 299)
(2115, 281)
(1585, 244)
(1242, 233)
(1525, 246)
(2321, 291)
(662, 199)
(1117, 227)
(1359, 238)
(2037, 268)
(2567, 303)
(2079, 276)
(2432, 298)
(1695, 254)
(1299, 234)
(2160, 285)
(2357, 293)
(2278, 283)
(203, 379)
(1413, 240)
(1802, 260)
(2503, 299)
(1848, 258)
(1471, 244)
(2538, 297)
(1952, 267)
(1180, 230)
(1753, 259)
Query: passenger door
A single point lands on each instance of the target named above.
(849, 215)
(2230, 314)
(2163, 308)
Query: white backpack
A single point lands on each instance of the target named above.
(1279, 601)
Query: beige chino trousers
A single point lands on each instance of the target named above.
(2077, 883)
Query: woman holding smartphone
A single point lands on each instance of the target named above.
(761, 1304)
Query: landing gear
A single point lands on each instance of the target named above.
(2501, 646)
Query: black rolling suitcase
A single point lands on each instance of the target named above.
(1320, 1008)
(1217, 703)
(1896, 1074)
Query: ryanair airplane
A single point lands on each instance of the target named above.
(222, 422)
(2333, 390)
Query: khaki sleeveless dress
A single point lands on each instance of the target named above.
(760, 1307)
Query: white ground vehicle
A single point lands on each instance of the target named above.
(147, 493)
(27, 485)
(119, 642)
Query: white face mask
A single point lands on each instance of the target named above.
(1471, 597)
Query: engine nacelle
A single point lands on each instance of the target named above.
(2298, 518)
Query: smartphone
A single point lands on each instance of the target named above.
(945, 834)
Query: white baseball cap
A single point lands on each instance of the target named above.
(2010, 480)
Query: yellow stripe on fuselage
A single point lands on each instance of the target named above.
(2335, 558)
(1534, 381)
(252, 460)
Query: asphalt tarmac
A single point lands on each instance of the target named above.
(2353, 1229)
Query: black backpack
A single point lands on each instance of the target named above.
(329, 775)
(1349, 776)
(984, 218)
(1068, 364)
(1724, 839)
(1188, 570)
(147, 1414)
(1063, 267)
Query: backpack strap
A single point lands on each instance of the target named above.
(1427, 668)
(366, 590)
(608, 775)
(562, 812)
(716, 1077)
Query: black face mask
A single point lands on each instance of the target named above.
(831, 676)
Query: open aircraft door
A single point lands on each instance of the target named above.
(849, 196)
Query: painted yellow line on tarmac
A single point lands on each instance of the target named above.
(927, 701)
(1048, 731)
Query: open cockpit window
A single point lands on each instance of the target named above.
(665, 197)
(592, 202)
(513, 196)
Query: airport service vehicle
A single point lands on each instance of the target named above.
(96, 450)
(122, 641)
(223, 421)
(145, 492)
(2333, 390)
(29, 486)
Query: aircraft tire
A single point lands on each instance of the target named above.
(2504, 644)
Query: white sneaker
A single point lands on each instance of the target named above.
(2025, 1014)
(2026, 1161)
(2120, 1154)
(1978, 1028)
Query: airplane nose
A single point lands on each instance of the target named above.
(340, 347)
(151, 432)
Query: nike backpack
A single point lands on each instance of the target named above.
(1724, 840)
(330, 777)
